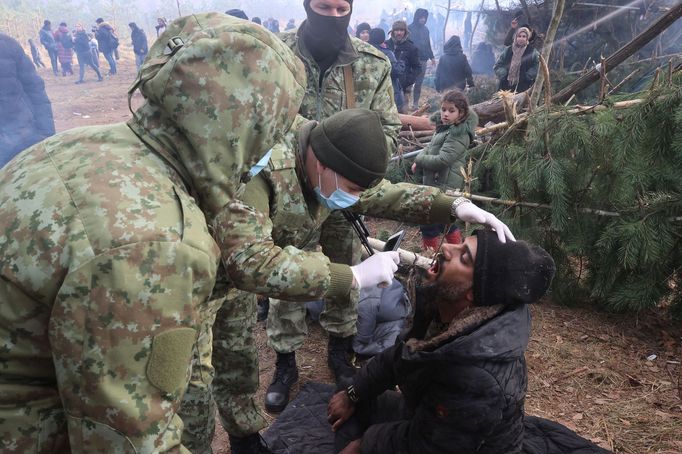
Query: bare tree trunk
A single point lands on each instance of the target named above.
(623, 53)
(527, 11)
(547, 49)
(447, 18)
(177, 2)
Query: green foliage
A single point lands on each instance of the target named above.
(627, 163)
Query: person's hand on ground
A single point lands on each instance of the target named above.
(339, 410)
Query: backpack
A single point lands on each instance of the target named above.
(66, 40)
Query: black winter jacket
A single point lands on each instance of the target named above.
(81, 43)
(408, 53)
(139, 42)
(453, 67)
(26, 114)
(419, 35)
(467, 394)
(527, 73)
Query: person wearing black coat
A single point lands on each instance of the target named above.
(419, 34)
(50, 45)
(26, 116)
(517, 66)
(453, 67)
(139, 39)
(407, 56)
(81, 44)
(461, 370)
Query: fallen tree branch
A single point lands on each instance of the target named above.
(623, 53)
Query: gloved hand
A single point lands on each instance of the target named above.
(376, 270)
(468, 212)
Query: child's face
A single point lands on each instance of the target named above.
(449, 114)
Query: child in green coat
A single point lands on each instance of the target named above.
(440, 163)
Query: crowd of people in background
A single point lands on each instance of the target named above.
(409, 47)
(61, 45)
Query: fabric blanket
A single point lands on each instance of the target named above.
(302, 428)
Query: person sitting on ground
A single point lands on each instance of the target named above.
(440, 162)
(517, 66)
(461, 368)
(362, 31)
(453, 67)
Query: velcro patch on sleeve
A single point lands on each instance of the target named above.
(170, 358)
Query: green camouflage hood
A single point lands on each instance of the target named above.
(219, 92)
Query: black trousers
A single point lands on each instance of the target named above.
(388, 407)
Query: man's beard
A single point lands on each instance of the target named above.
(437, 291)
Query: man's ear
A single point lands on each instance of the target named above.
(470, 296)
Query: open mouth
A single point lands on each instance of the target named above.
(434, 271)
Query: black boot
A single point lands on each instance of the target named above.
(286, 374)
(340, 359)
(251, 444)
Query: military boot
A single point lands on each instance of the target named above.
(340, 357)
(251, 444)
(286, 374)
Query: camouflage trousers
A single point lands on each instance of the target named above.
(224, 376)
(286, 327)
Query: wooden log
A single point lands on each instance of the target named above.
(623, 53)
(417, 134)
(406, 257)
(417, 123)
(493, 110)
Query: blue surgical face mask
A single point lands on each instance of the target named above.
(338, 200)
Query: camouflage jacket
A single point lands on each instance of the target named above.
(371, 81)
(280, 214)
(106, 259)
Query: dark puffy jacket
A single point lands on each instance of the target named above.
(466, 394)
(419, 34)
(527, 73)
(106, 38)
(453, 67)
(407, 53)
(26, 115)
(81, 43)
(139, 41)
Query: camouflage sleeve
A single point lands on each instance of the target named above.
(406, 202)
(122, 332)
(255, 264)
(384, 103)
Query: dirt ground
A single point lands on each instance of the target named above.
(615, 379)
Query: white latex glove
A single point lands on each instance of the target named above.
(468, 212)
(376, 270)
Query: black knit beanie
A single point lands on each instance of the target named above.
(377, 36)
(362, 27)
(510, 273)
(238, 13)
(352, 143)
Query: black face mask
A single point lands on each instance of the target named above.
(325, 36)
